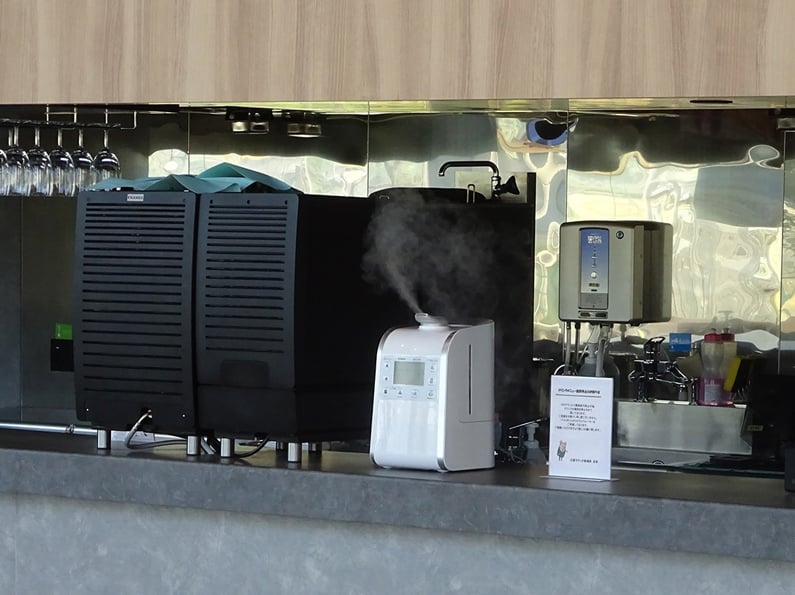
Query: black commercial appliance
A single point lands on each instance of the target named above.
(245, 314)
(133, 309)
(286, 326)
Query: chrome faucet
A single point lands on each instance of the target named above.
(650, 370)
(497, 187)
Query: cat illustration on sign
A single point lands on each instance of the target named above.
(561, 450)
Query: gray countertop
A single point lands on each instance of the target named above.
(714, 514)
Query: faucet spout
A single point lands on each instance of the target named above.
(448, 164)
(497, 187)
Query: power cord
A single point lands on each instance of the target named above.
(212, 445)
(144, 445)
(254, 450)
(208, 445)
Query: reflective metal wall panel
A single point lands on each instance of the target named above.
(717, 176)
(787, 359)
(721, 177)
(333, 163)
(407, 150)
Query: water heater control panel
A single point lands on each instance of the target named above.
(411, 378)
(615, 271)
(594, 267)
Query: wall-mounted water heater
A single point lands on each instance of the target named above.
(434, 397)
(615, 271)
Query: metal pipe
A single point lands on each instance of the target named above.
(600, 354)
(70, 429)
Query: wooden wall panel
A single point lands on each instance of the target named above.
(324, 50)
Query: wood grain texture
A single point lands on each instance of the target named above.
(226, 51)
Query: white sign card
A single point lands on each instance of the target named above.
(580, 427)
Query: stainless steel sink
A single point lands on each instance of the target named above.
(677, 426)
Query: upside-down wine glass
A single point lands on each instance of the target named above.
(106, 163)
(63, 169)
(17, 167)
(85, 174)
(4, 181)
(40, 167)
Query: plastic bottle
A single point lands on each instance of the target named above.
(711, 386)
(534, 453)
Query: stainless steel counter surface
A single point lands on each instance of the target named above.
(736, 516)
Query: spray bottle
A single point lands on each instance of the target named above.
(534, 453)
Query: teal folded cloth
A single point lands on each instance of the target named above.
(224, 177)
(231, 171)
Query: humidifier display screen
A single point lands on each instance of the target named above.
(412, 373)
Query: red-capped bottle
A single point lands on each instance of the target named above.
(711, 391)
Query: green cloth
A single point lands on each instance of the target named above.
(224, 177)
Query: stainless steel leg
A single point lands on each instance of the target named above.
(193, 446)
(227, 448)
(315, 447)
(294, 450)
(281, 446)
(103, 439)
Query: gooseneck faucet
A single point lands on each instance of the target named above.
(448, 164)
(497, 188)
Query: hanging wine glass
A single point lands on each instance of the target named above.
(40, 167)
(63, 169)
(84, 174)
(106, 163)
(4, 181)
(18, 170)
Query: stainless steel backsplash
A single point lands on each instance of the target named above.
(724, 178)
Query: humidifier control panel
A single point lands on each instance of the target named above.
(411, 378)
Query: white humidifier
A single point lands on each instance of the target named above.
(433, 406)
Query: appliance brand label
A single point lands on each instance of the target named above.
(135, 198)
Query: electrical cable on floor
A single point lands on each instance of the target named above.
(141, 446)
(212, 445)
(255, 450)
(145, 445)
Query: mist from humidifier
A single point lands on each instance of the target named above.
(431, 258)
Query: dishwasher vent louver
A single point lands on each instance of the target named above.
(133, 308)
